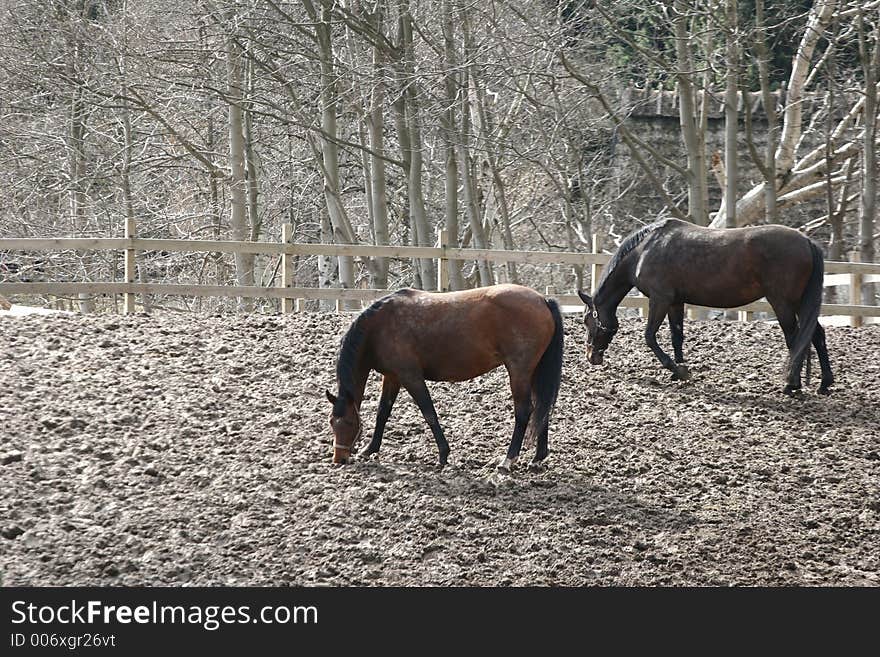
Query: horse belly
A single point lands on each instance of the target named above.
(725, 298)
(460, 366)
(717, 281)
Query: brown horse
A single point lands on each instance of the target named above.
(674, 262)
(412, 336)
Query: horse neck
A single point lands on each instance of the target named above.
(619, 282)
(359, 368)
(359, 380)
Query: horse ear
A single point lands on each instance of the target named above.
(330, 396)
(586, 298)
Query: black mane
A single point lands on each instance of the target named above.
(628, 244)
(348, 353)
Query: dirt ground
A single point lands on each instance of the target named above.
(194, 450)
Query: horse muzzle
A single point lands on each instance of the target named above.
(595, 355)
(342, 456)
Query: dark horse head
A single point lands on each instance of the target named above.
(345, 421)
(601, 326)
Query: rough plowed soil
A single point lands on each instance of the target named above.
(195, 450)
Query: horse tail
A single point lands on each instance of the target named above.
(808, 313)
(547, 377)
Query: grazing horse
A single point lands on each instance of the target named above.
(673, 262)
(413, 336)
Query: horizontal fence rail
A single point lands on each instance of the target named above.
(856, 273)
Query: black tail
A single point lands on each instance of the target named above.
(808, 314)
(547, 377)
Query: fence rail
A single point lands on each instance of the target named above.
(857, 273)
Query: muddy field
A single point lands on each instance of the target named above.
(194, 450)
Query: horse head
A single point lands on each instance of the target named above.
(601, 327)
(345, 421)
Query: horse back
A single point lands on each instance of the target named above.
(455, 336)
(724, 267)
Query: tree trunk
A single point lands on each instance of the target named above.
(403, 138)
(421, 229)
(820, 16)
(449, 134)
(836, 246)
(238, 218)
(870, 60)
(696, 157)
(378, 188)
(250, 154)
(487, 132)
(472, 207)
(751, 206)
(328, 266)
(127, 150)
(731, 115)
(343, 232)
(470, 197)
(76, 166)
(763, 56)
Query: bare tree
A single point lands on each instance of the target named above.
(449, 134)
(790, 175)
(869, 57)
(768, 170)
(731, 111)
(343, 233)
(694, 140)
(238, 219)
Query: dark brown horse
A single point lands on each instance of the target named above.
(412, 336)
(674, 262)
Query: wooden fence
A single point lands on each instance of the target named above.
(857, 273)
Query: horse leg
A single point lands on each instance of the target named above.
(824, 362)
(656, 313)
(542, 450)
(390, 388)
(787, 319)
(522, 408)
(419, 392)
(676, 328)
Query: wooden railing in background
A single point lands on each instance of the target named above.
(858, 273)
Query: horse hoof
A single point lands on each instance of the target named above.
(367, 453)
(791, 391)
(681, 373)
(506, 465)
(537, 466)
(823, 390)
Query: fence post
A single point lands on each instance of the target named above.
(855, 291)
(596, 268)
(130, 267)
(442, 262)
(287, 304)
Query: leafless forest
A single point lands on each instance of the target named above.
(512, 124)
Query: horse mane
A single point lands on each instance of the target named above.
(628, 244)
(351, 348)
